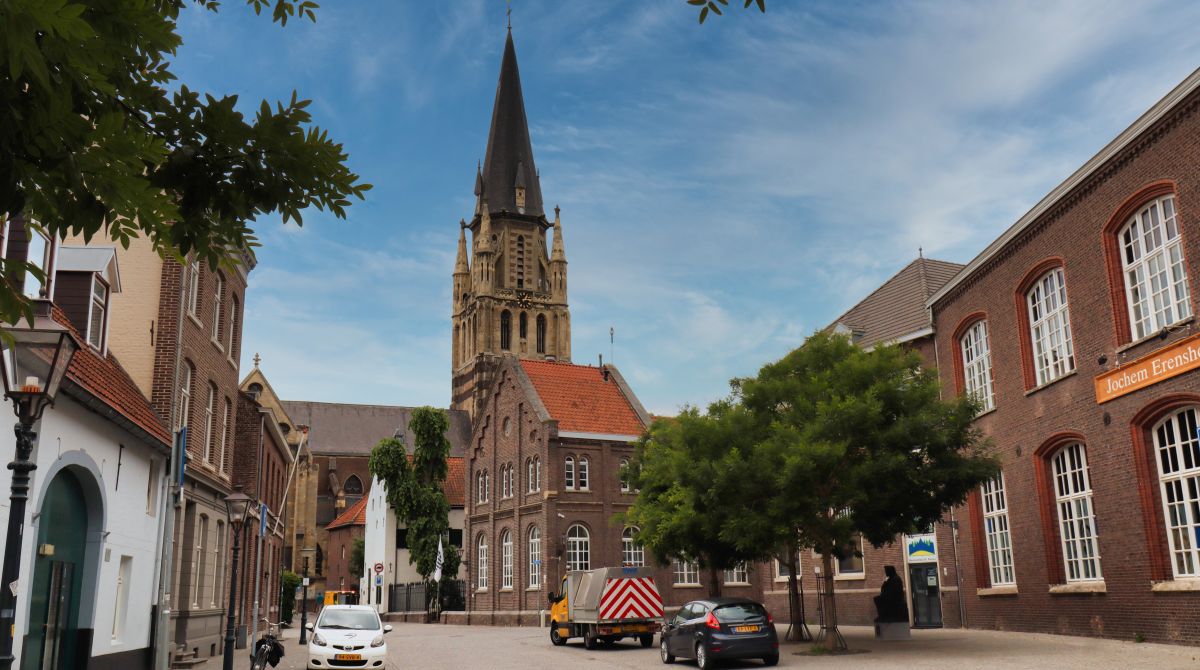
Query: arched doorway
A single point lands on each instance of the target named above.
(57, 587)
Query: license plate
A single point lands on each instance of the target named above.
(745, 629)
(347, 657)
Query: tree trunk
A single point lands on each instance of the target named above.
(797, 626)
(830, 637)
(714, 583)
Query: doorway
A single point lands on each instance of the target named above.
(926, 595)
(53, 638)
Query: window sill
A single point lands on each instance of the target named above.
(1052, 382)
(1176, 585)
(232, 363)
(687, 586)
(987, 412)
(506, 589)
(781, 580)
(736, 584)
(1155, 335)
(220, 347)
(195, 320)
(483, 590)
(997, 591)
(532, 589)
(849, 578)
(1078, 587)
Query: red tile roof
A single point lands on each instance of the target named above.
(456, 481)
(355, 516)
(104, 378)
(580, 398)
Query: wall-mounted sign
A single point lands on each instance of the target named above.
(921, 548)
(1157, 366)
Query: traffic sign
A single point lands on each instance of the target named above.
(379, 568)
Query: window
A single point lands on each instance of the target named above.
(200, 556)
(632, 553)
(529, 476)
(234, 323)
(524, 325)
(782, 572)
(38, 254)
(506, 561)
(209, 437)
(996, 533)
(218, 293)
(624, 475)
(738, 575)
(353, 486)
(1178, 447)
(1156, 287)
(686, 574)
(185, 396)
(569, 474)
(851, 562)
(505, 330)
(487, 486)
(152, 488)
(121, 601)
(537, 473)
(224, 432)
(535, 557)
(583, 474)
(541, 333)
(481, 566)
(578, 548)
(1077, 524)
(193, 287)
(219, 559)
(95, 328)
(977, 365)
(1050, 327)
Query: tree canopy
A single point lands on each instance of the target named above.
(94, 139)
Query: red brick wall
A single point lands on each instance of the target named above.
(337, 574)
(1125, 489)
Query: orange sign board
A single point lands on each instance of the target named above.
(1181, 357)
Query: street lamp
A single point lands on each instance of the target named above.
(236, 506)
(304, 599)
(35, 359)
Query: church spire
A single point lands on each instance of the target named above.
(460, 264)
(510, 177)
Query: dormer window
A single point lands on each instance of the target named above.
(85, 280)
(98, 311)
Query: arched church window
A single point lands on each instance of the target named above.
(524, 321)
(505, 330)
(541, 333)
(354, 486)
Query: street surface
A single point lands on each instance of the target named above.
(432, 647)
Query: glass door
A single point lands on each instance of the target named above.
(926, 595)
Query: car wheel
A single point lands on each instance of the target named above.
(702, 660)
(646, 641)
(663, 653)
(771, 660)
(556, 638)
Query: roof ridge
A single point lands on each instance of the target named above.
(883, 285)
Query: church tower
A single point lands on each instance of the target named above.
(510, 284)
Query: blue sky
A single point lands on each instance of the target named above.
(725, 189)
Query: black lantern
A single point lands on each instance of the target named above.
(237, 506)
(35, 362)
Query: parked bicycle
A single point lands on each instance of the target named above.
(267, 650)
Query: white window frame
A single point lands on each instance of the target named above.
(739, 575)
(582, 475)
(1076, 515)
(234, 318)
(193, 288)
(1177, 447)
(225, 410)
(623, 476)
(95, 331)
(506, 560)
(481, 564)
(529, 475)
(997, 533)
(208, 423)
(687, 573)
(1156, 286)
(201, 558)
(1050, 327)
(781, 573)
(185, 396)
(121, 599)
(861, 573)
(31, 287)
(569, 473)
(579, 548)
(537, 472)
(977, 365)
(218, 295)
(535, 557)
(632, 553)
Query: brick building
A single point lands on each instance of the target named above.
(342, 532)
(1077, 328)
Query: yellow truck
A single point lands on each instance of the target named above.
(606, 605)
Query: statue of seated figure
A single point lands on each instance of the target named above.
(890, 604)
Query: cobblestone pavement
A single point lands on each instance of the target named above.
(430, 647)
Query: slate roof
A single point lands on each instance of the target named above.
(897, 308)
(581, 400)
(103, 378)
(353, 430)
(508, 162)
(356, 515)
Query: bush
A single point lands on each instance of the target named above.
(287, 602)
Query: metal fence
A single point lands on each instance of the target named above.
(417, 597)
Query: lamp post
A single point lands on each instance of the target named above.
(35, 361)
(236, 505)
(304, 603)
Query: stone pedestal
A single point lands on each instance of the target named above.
(893, 630)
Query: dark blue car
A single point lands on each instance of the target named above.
(720, 628)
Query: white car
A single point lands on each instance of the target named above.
(347, 636)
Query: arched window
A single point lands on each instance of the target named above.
(524, 325)
(624, 475)
(506, 560)
(537, 473)
(353, 486)
(1156, 286)
(235, 315)
(583, 474)
(569, 474)
(579, 548)
(535, 557)
(977, 364)
(487, 486)
(529, 475)
(225, 412)
(632, 553)
(481, 564)
(541, 333)
(1178, 447)
(1050, 327)
(505, 330)
(1077, 520)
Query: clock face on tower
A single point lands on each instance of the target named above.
(523, 299)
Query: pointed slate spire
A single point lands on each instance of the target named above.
(460, 264)
(509, 158)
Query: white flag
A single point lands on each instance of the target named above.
(437, 565)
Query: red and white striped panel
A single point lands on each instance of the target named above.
(631, 598)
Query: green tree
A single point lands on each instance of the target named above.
(92, 140)
(858, 444)
(416, 489)
(683, 468)
(288, 582)
(357, 553)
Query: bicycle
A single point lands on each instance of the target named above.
(267, 650)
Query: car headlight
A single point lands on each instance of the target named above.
(378, 641)
(318, 640)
